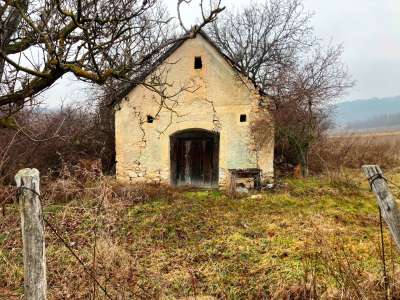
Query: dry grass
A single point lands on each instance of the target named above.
(311, 239)
(354, 150)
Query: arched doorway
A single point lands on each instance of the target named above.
(194, 157)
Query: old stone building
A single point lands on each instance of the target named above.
(191, 122)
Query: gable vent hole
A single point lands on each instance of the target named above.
(243, 118)
(198, 64)
(150, 119)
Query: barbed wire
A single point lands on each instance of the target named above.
(371, 181)
(90, 272)
(383, 256)
(393, 184)
(86, 269)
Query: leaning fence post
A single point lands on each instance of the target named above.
(389, 209)
(32, 228)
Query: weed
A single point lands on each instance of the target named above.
(315, 238)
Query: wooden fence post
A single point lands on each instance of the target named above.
(389, 209)
(32, 228)
(232, 184)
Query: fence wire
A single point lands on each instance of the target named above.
(382, 244)
(86, 269)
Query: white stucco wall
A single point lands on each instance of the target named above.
(213, 99)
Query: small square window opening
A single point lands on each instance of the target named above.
(243, 118)
(150, 119)
(198, 64)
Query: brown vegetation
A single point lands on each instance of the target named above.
(46, 139)
(279, 52)
(311, 239)
(336, 153)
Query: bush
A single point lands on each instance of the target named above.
(333, 154)
(44, 139)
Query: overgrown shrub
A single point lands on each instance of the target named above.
(44, 139)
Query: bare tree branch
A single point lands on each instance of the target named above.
(96, 40)
(274, 45)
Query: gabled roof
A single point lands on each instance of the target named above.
(127, 87)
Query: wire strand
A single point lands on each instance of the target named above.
(85, 268)
(393, 184)
(54, 230)
(383, 257)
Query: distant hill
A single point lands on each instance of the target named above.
(385, 122)
(369, 113)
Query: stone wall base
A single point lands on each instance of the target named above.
(141, 175)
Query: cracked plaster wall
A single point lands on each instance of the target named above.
(213, 99)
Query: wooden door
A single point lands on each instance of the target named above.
(195, 162)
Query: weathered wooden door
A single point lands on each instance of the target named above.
(194, 159)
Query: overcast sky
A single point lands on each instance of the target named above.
(368, 29)
(370, 33)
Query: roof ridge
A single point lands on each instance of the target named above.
(128, 86)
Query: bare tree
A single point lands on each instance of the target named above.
(303, 102)
(273, 43)
(264, 38)
(95, 40)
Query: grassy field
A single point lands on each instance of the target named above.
(351, 151)
(387, 138)
(377, 134)
(316, 238)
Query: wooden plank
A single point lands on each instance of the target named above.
(187, 162)
(32, 228)
(389, 208)
(232, 184)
